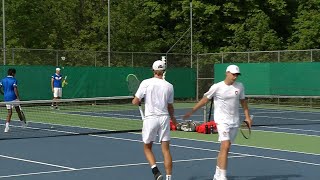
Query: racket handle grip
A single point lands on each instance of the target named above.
(141, 112)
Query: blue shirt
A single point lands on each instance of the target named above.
(9, 83)
(57, 80)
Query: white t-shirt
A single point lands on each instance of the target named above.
(158, 93)
(226, 102)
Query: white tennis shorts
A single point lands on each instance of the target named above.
(227, 133)
(156, 126)
(11, 106)
(57, 92)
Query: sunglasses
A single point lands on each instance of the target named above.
(235, 74)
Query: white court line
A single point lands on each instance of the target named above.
(212, 150)
(36, 162)
(288, 118)
(281, 132)
(110, 166)
(264, 148)
(293, 129)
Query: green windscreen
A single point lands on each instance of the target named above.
(291, 79)
(34, 82)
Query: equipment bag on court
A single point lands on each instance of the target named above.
(187, 126)
(207, 128)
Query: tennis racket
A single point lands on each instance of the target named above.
(210, 110)
(245, 129)
(64, 82)
(133, 85)
(22, 116)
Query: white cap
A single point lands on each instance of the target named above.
(57, 69)
(159, 65)
(233, 69)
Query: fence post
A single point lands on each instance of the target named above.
(222, 57)
(12, 56)
(278, 56)
(131, 59)
(95, 59)
(197, 87)
(57, 58)
(311, 58)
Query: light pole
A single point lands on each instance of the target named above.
(191, 58)
(108, 33)
(3, 34)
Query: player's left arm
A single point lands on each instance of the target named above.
(245, 107)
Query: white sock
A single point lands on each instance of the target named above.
(153, 166)
(223, 173)
(217, 174)
(168, 177)
(7, 124)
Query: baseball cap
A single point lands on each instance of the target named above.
(57, 69)
(233, 69)
(159, 65)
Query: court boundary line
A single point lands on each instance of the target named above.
(288, 133)
(212, 150)
(264, 148)
(109, 166)
(35, 162)
(292, 129)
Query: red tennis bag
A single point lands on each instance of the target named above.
(207, 128)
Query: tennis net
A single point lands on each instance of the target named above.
(81, 116)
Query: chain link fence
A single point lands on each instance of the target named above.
(204, 63)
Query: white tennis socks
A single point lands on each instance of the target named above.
(220, 173)
(223, 173)
(217, 174)
(168, 177)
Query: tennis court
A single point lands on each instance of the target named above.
(70, 144)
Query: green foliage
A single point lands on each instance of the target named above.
(306, 34)
(157, 26)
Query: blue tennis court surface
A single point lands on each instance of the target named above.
(120, 156)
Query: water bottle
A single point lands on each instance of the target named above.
(206, 130)
(211, 129)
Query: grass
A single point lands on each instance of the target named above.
(281, 141)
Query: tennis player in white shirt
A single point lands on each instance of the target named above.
(158, 96)
(227, 96)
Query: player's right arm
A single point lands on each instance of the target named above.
(139, 95)
(208, 95)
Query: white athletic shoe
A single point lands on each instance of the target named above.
(6, 129)
(215, 177)
(223, 178)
